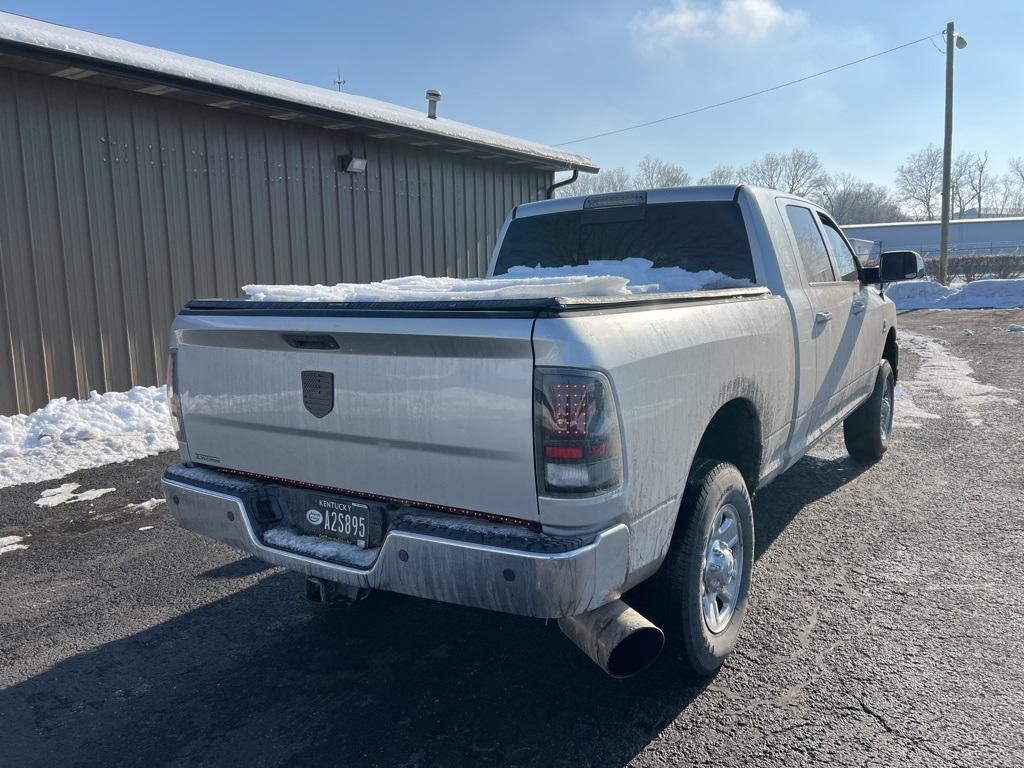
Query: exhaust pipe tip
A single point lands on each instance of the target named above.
(637, 652)
(616, 637)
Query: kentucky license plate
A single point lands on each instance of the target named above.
(338, 518)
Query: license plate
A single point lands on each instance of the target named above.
(339, 518)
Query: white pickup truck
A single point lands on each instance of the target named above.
(545, 456)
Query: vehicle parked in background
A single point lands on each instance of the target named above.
(545, 456)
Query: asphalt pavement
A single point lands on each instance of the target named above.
(886, 626)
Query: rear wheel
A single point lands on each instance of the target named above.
(700, 593)
(866, 431)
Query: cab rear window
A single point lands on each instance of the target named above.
(693, 236)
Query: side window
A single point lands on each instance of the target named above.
(811, 246)
(846, 262)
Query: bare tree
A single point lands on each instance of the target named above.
(1017, 169)
(853, 201)
(766, 172)
(656, 174)
(919, 181)
(960, 172)
(979, 180)
(798, 172)
(721, 174)
(1006, 195)
(610, 180)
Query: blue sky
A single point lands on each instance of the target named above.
(553, 71)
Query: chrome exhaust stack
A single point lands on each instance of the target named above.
(616, 638)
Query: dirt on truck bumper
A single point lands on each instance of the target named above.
(451, 559)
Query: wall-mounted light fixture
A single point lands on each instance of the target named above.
(352, 164)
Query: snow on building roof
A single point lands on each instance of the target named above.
(57, 40)
(935, 223)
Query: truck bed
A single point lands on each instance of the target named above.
(532, 307)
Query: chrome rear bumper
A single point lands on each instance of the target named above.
(540, 584)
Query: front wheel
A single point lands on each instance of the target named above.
(866, 431)
(700, 593)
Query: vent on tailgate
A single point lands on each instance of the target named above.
(318, 392)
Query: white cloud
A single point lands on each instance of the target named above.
(728, 20)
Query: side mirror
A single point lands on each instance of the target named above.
(894, 266)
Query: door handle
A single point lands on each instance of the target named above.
(822, 317)
(858, 307)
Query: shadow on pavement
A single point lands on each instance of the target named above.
(260, 678)
(247, 566)
(808, 480)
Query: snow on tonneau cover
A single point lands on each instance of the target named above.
(420, 406)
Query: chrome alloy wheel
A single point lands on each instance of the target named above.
(722, 570)
(885, 418)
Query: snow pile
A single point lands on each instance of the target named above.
(67, 435)
(325, 549)
(68, 494)
(12, 544)
(979, 294)
(623, 277)
(1015, 328)
(944, 377)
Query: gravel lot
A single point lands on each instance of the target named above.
(886, 626)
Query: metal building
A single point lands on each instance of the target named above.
(967, 237)
(133, 179)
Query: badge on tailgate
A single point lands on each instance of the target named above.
(318, 392)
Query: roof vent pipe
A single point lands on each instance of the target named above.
(432, 98)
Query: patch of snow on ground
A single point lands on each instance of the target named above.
(146, 528)
(945, 377)
(324, 549)
(978, 294)
(623, 277)
(12, 544)
(67, 434)
(907, 414)
(144, 506)
(68, 494)
(1015, 328)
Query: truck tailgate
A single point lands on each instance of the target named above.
(431, 409)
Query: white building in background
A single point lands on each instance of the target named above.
(966, 236)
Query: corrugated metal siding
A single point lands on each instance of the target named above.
(116, 208)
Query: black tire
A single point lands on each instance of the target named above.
(676, 591)
(865, 431)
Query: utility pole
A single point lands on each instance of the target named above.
(953, 41)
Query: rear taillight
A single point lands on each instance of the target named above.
(173, 402)
(578, 448)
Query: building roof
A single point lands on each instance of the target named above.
(79, 55)
(957, 222)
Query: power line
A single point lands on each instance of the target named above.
(763, 91)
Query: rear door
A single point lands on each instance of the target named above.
(425, 408)
(830, 300)
(865, 353)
